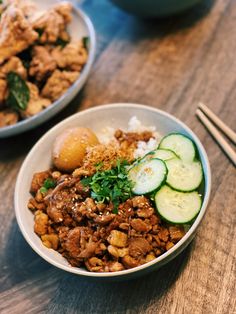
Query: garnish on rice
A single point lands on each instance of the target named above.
(110, 186)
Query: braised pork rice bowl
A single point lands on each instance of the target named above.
(89, 206)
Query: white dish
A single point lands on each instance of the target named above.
(81, 26)
(116, 116)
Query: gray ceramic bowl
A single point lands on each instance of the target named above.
(81, 26)
(155, 8)
(116, 116)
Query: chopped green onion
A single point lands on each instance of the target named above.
(43, 190)
(49, 183)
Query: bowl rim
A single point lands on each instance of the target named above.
(189, 233)
(60, 103)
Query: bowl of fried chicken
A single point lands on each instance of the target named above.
(46, 52)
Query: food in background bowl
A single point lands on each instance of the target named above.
(38, 59)
(118, 202)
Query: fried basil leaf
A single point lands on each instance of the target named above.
(61, 42)
(86, 42)
(19, 93)
(26, 57)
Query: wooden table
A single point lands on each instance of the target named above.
(170, 64)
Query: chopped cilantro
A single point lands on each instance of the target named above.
(86, 181)
(110, 185)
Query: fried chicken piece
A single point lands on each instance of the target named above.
(16, 34)
(14, 64)
(3, 90)
(36, 102)
(58, 83)
(34, 107)
(8, 117)
(2, 8)
(53, 23)
(64, 9)
(72, 57)
(27, 7)
(34, 91)
(42, 63)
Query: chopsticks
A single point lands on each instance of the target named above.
(205, 115)
(219, 123)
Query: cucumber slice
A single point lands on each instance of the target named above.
(147, 176)
(163, 154)
(177, 207)
(184, 176)
(180, 144)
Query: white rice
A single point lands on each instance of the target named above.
(106, 135)
(145, 147)
(134, 125)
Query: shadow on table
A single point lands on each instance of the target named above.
(78, 295)
(18, 262)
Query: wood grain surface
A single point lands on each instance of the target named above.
(170, 64)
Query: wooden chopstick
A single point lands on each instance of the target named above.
(218, 137)
(219, 123)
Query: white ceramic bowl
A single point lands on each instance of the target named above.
(81, 26)
(116, 116)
